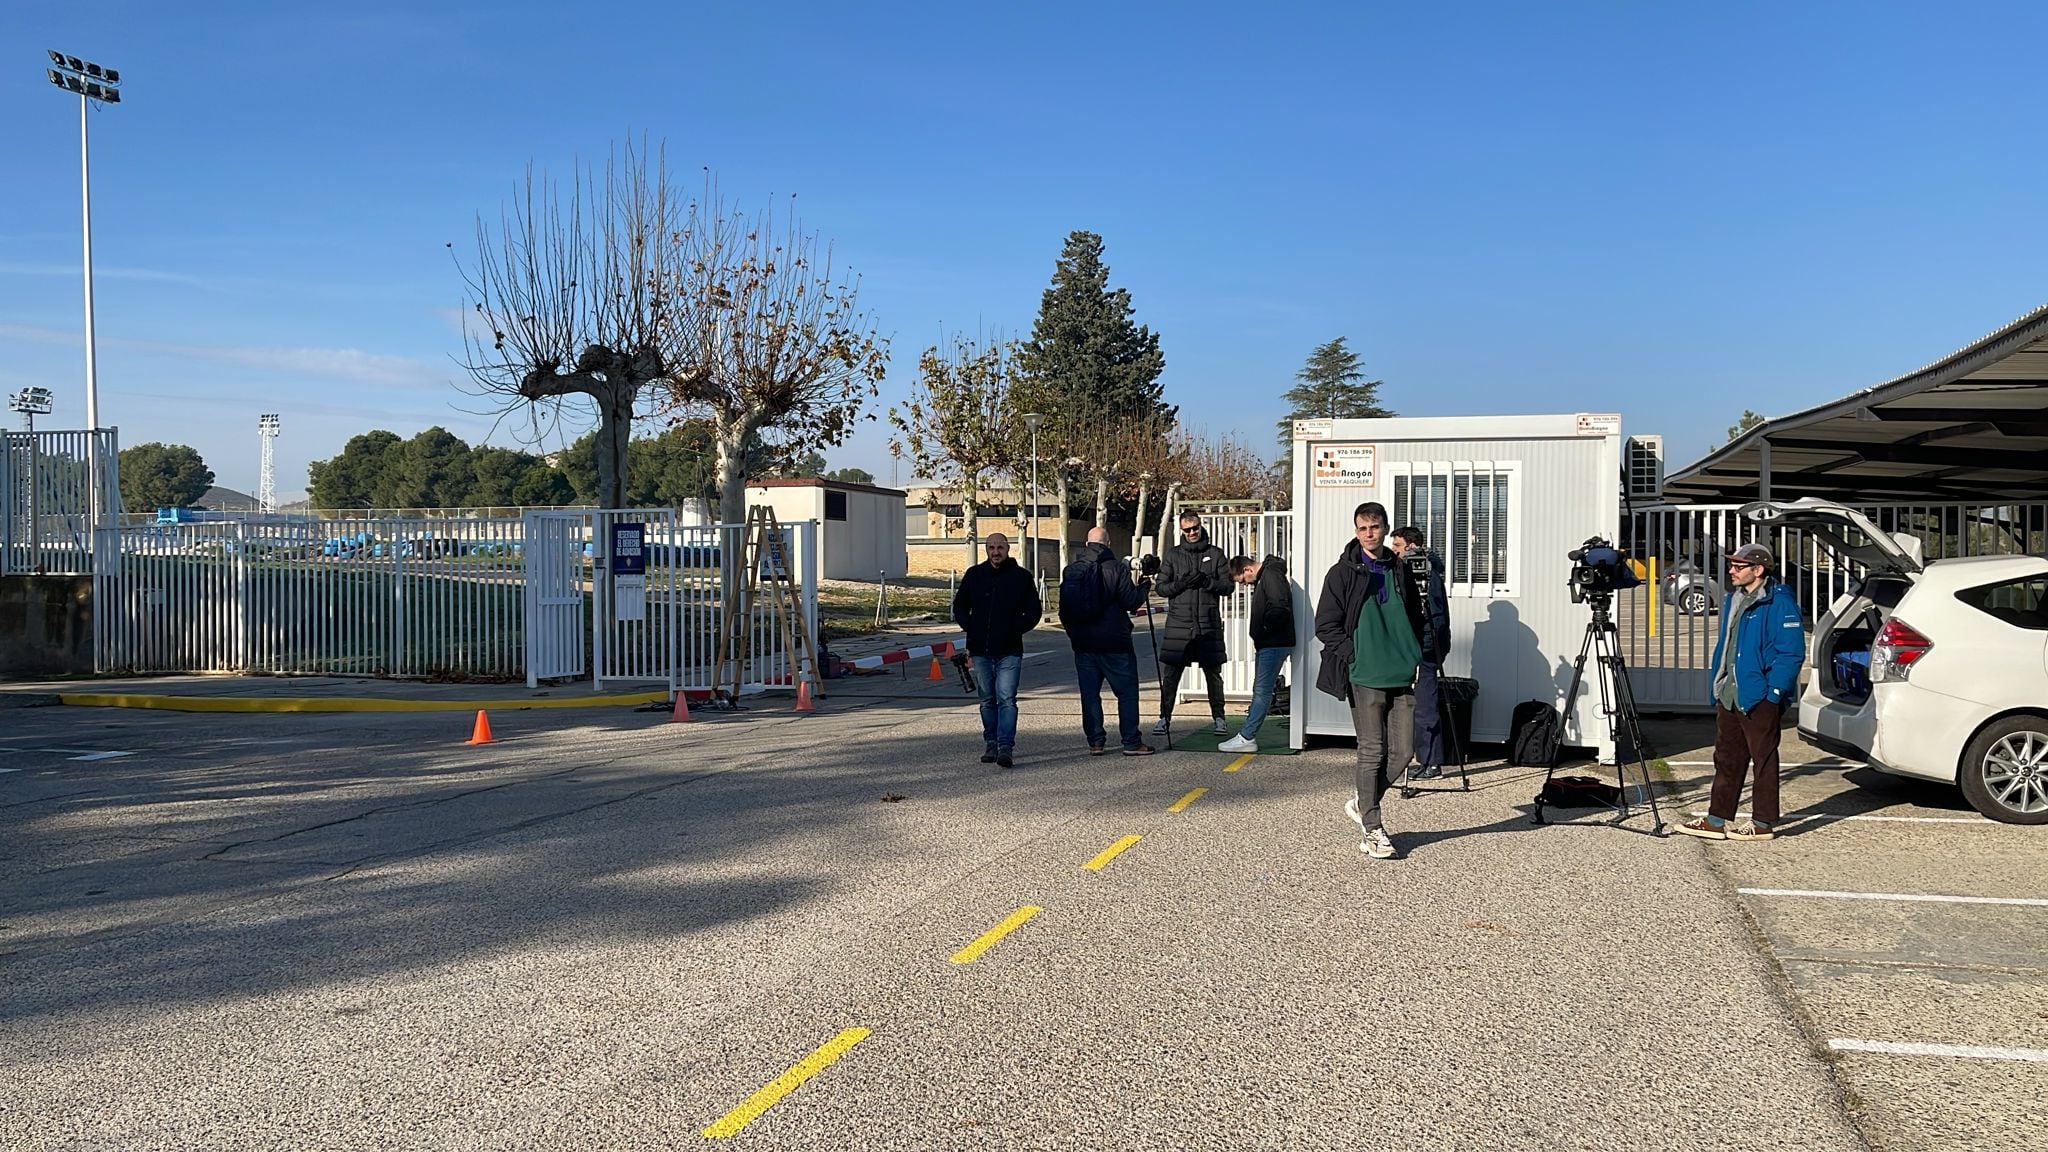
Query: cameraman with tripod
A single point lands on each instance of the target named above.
(1428, 567)
(1369, 619)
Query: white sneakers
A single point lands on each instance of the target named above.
(1238, 744)
(1377, 844)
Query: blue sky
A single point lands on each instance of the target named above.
(1674, 211)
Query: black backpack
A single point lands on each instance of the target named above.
(1080, 595)
(1533, 734)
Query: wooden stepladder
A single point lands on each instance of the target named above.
(765, 553)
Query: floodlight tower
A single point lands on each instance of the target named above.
(91, 82)
(266, 485)
(31, 403)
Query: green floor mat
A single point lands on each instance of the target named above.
(1192, 734)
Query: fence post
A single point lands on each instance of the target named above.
(242, 605)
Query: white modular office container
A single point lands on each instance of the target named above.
(1503, 499)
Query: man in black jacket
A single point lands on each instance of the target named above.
(1272, 626)
(1097, 597)
(1430, 751)
(1369, 619)
(996, 605)
(1194, 576)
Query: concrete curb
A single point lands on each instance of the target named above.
(341, 703)
(28, 700)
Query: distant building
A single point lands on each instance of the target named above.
(860, 526)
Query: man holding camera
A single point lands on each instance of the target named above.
(1755, 672)
(1194, 576)
(997, 603)
(1428, 569)
(1097, 597)
(1370, 622)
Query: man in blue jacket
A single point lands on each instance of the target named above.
(1755, 677)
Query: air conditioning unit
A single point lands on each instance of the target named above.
(1643, 468)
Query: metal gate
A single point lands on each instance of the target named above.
(555, 614)
(1257, 535)
(1669, 626)
(48, 496)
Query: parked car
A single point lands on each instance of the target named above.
(1696, 592)
(1934, 670)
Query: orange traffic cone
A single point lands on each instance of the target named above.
(803, 697)
(935, 673)
(482, 734)
(682, 714)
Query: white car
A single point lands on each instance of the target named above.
(1937, 671)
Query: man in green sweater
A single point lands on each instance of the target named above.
(1369, 620)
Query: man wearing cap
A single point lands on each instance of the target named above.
(1755, 674)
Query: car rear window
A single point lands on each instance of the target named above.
(2022, 603)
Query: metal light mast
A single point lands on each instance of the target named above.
(90, 82)
(266, 484)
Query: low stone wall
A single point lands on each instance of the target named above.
(45, 626)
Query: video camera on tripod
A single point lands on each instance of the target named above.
(1599, 570)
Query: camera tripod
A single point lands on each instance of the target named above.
(1456, 747)
(1618, 705)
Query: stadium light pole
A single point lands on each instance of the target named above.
(90, 82)
(1031, 420)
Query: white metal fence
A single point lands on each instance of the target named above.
(413, 597)
(456, 596)
(47, 495)
(1669, 626)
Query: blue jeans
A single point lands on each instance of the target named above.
(1430, 750)
(1264, 680)
(1120, 669)
(995, 679)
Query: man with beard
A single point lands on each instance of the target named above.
(996, 605)
(1194, 576)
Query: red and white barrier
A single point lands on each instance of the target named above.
(942, 650)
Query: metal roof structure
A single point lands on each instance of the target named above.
(1970, 426)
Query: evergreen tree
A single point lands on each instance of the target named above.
(1086, 359)
(1332, 387)
(362, 476)
(433, 470)
(1743, 424)
(162, 476)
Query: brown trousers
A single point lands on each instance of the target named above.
(1740, 742)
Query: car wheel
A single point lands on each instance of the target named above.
(1693, 601)
(2005, 770)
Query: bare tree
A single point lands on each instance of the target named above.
(955, 428)
(572, 295)
(1224, 468)
(778, 346)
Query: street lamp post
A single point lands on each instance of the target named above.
(1031, 420)
(91, 82)
(33, 402)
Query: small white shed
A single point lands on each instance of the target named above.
(1503, 499)
(860, 526)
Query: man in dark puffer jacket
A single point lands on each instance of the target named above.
(1102, 642)
(1194, 576)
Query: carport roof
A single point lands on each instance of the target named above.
(1970, 426)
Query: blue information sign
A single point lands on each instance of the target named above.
(629, 549)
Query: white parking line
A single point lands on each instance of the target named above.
(1878, 819)
(1784, 764)
(1965, 1051)
(1911, 898)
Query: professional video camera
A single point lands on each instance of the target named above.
(1417, 560)
(1599, 570)
(1149, 566)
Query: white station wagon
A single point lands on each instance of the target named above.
(1935, 670)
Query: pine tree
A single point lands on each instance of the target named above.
(1333, 387)
(1086, 358)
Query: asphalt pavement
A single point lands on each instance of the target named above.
(609, 931)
